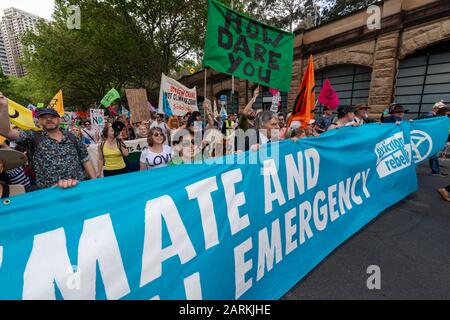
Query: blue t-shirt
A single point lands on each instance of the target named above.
(325, 122)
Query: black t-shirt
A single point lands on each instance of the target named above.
(4, 178)
(4, 182)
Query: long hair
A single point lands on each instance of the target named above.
(150, 136)
(105, 130)
(173, 119)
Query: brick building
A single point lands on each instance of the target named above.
(407, 60)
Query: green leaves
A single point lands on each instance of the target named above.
(121, 44)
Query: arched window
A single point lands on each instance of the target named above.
(351, 82)
(423, 79)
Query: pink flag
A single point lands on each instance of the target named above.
(273, 91)
(328, 96)
(112, 112)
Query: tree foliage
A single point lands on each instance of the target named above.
(121, 44)
(4, 82)
(285, 14)
(292, 14)
(333, 9)
(128, 44)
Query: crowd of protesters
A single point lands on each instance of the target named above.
(57, 157)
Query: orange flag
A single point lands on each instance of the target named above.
(57, 103)
(306, 99)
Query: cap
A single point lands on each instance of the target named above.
(12, 158)
(48, 111)
(398, 109)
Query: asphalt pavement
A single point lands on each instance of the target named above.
(409, 242)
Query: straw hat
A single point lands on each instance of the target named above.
(439, 105)
(12, 158)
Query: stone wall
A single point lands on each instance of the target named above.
(417, 38)
(361, 54)
(384, 71)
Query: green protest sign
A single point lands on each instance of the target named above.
(110, 97)
(245, 48)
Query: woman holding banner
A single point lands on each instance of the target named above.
(157, 155)
(111, 152)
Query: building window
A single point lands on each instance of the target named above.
(351, 82)
(423, 79)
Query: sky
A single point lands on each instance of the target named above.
(42, 8)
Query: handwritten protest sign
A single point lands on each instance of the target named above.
(246, 48)
(138, 102)
(180, 98)
(98, 118)
(276, 99)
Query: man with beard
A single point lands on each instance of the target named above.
(57, 157)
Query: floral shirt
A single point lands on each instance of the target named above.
(52, 160)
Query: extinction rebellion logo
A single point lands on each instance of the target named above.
(392, 155)
(421, 144)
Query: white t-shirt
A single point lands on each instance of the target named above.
(89, 134)
(156, 160)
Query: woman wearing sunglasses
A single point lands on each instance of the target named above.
(157, 155)
(188, 150)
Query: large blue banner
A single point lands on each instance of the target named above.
(210, 231)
